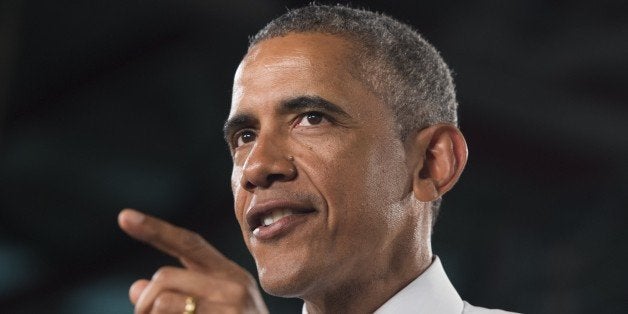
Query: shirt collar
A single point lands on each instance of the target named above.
(431, 292)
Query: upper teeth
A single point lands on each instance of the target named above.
(275, 216)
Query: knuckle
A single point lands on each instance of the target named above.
(238, 292)
(214, 308)
(192, 241)
(163, 274)
(136, 290)
(237, 273)
(163, 301)
(231, 310)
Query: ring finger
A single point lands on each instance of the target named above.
(172, 302)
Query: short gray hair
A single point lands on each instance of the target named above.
(397, 63)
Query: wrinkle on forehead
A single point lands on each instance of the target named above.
(274, 63)
(278, 64)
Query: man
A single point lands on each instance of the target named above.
(343, 135)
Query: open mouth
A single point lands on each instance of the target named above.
(276, 215)
(267, 221)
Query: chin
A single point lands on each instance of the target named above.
(284, 277)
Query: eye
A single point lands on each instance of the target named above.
(244, 136)
(311, 118)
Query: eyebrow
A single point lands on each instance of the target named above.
(296, 104)
(237, 122)
(303, 103)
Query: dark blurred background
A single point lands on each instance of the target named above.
(120, 103)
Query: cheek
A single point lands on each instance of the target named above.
(339, 170)
(387, 172)
(328, 163)
(238, 193)
(362, 182)
(388, 177)
(236, 174)
(367, 169)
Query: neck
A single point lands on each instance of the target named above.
(365, 294)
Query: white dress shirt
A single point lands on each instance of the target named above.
(431, 292)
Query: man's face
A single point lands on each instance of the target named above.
(319, 173)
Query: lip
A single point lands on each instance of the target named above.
(255, 213)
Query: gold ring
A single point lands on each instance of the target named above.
(190, 305)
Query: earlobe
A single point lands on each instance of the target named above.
(439, 154)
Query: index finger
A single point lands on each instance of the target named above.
(189, 247)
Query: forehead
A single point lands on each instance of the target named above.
(296, 65)
(300, 49)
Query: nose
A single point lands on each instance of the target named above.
(266, 164)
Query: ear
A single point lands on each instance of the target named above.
(437, 155)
